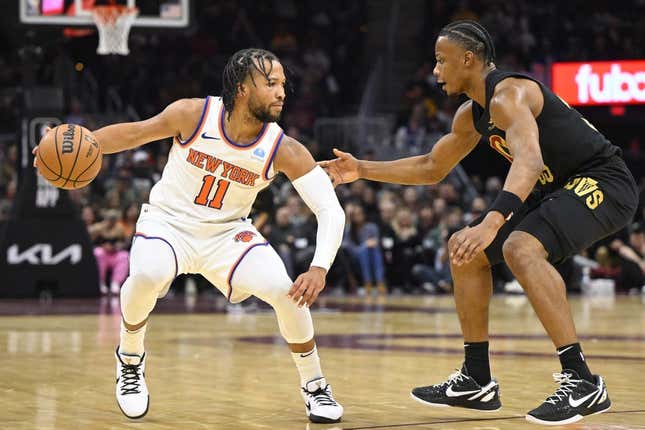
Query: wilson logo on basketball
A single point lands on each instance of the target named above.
(68, 139)
(244, 236)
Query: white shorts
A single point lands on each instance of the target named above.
(210, 249)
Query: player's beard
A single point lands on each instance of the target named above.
(262, 113)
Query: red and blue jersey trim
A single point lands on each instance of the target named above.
(274, 151)
(199, 127)
(237, 263)
(230, 142)
(143, 235)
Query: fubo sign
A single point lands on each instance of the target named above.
(600, 82)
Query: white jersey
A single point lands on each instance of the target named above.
(209, 177)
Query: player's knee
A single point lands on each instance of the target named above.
(518, 251)
(478, 263)
(154, 280)
(275, 290)
(511, 245)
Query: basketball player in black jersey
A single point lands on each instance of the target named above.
(567, 187)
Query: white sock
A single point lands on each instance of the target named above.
(132, 341)
(308, 364)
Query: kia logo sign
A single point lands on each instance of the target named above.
(41, 254)
(600, 82)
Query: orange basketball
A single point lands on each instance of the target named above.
(69, 156)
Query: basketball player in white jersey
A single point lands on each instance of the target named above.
(225, 151)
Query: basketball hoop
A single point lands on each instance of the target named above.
(113, 23)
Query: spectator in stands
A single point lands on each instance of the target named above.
(434, 275)
(448, 192)
(7, 167)
(493, 187)
(110, 253)
(128, 221)
(411, 137)
(298, 212)
(281, 237)
(630, 257)
(88, 215)
(407, 246)
(439, 207)
(8, 178)
(370, 204)
(120, 190)
(477, 207)
(304, 241)
(427, 220)
(362, 239)
(411, 198)
(387, 211)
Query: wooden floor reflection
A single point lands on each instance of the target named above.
(212, 366)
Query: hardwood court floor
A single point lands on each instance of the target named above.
(210, 367)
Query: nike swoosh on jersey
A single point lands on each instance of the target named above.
(575, 403)
(205, 136)
(451, 393)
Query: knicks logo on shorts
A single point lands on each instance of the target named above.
(244, 236)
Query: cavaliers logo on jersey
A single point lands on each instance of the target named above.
(244, 236)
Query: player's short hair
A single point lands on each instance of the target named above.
(473, 37)
(238, 67)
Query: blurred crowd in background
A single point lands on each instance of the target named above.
(395, 239)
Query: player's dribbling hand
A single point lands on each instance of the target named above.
(341, 170)
(35, 150)
(307, 286)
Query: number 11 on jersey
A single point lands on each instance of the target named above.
(204, 192)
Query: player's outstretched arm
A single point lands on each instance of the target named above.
(315, 188)
(177, 119)
(510, 110)
(419, 170)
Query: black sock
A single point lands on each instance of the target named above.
(571, 357)
(476, 362)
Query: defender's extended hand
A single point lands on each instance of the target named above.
(307, 286)
(341, 170)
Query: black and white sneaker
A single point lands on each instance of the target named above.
(462, 391)
(574, 399)
(131, 390)
(320, 405)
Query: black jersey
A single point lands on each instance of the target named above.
(568, 142)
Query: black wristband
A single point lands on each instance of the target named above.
(507, 204)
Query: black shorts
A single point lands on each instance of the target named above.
(592, 205)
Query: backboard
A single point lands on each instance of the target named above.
(152, 13)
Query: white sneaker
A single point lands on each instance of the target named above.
(131, 390)
(320, 405)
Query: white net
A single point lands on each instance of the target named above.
(114, 23)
